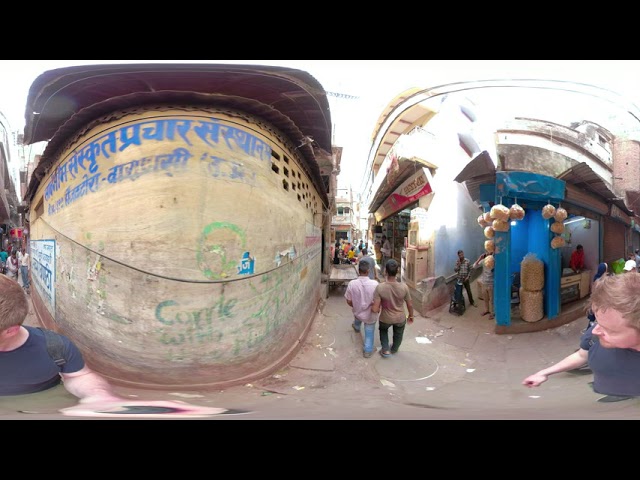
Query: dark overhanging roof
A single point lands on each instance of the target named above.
(406, 168)
(479, 171)
(63, 100)
(583, 176)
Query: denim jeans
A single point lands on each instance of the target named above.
(369, 334)
(467, 287)
(398, 332)
(24, 272)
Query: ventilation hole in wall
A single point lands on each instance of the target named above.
(286, 159)
(285, 184)
(39, 210)
(285, 171)
(275, 168)
(299, 187)
(299, 175)
(275, 155)
(293, 186)
(299, 199)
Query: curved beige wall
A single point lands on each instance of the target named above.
(138, 236)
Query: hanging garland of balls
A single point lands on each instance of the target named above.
(498, 219)
(559, 215)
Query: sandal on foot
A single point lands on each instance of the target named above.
(385, 353)
(613, 398)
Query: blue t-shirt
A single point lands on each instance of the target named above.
(616, 371)
(30, 369)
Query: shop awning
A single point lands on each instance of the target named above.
(583, 176)
(415, 187)
(480, 170)
(406, 168)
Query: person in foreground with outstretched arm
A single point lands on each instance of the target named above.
(611, 346)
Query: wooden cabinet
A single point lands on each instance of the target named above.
(570, 288)
(585, 283)
(570, 280)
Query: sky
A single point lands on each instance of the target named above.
(374, 82)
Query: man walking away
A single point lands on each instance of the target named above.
(389, 299)
(366, 258)
(359, 296)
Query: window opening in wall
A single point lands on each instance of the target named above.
(285, 184)
(275, 168)
(285, 171)
(39, 210)
(286, 159)
(275, 155)
(293, 186)
(299, 199)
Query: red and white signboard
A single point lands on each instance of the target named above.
(411, 190)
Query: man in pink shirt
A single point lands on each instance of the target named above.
(359, 296)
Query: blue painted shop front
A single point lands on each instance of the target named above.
(530, 235)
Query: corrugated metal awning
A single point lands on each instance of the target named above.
(583, 176)
(406, 168)
(479, 171)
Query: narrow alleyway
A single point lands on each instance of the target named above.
(448, 367)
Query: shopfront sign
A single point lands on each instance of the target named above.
(410, 191)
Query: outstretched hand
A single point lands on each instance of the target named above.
(534, 380)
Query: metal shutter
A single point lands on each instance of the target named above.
(613, 240)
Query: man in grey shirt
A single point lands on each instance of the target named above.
(373, 273)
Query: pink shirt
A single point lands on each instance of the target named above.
(360, 293)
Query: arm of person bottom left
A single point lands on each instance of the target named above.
(89, 386)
